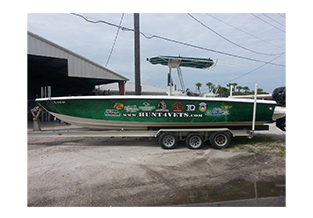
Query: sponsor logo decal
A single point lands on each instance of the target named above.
(202, 107)
(118, 106)
(131, 108)
(146, 107)
(112, 113)
(219, 111)
(226, 107)
(215, 111)
(190, 107)
(177, 107)
(162, 107)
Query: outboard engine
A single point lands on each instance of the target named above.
(279, 95)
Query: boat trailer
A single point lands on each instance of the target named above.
(168, 138)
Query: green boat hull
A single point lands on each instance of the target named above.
(143, 112)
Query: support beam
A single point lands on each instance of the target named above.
(180, 76)
(121, 87)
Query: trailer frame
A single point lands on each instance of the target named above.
(180, 134)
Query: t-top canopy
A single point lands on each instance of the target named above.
(175, 62)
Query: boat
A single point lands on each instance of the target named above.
(177, 110)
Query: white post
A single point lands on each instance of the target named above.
(49, 96)
(254, 106)
(231, 90)
(170, 73)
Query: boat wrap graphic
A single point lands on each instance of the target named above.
(159, 110)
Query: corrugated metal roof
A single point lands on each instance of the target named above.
(78, 66)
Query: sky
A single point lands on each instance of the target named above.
(242, 44)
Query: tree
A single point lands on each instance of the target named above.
(223, 92)
(260, 91)
(246, 88)
(232, 84)
(198, 87)
(209, 84)
(239, 88)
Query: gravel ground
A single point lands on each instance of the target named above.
(137, 172)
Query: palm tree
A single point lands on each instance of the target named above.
(232, 84)
(246, 88)
(198, 87)
(239, 88)
(209, 84)
(260, 91)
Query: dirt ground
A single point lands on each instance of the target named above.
(138, 172)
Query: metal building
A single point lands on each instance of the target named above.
(56, 71)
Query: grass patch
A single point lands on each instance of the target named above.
(260, 144)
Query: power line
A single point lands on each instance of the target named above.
(245, 31)
(118, 30)
(273, 20)
(267, 22)
(102, 21)
(250, 71)
(281, 15)
(178, 42)
(230, 40)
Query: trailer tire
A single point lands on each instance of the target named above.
(168, 140)
(194, 141)
(220, 140)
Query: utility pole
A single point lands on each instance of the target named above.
(137, 55)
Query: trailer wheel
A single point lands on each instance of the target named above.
(168, 140)
(194, 140)
(220, 140)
